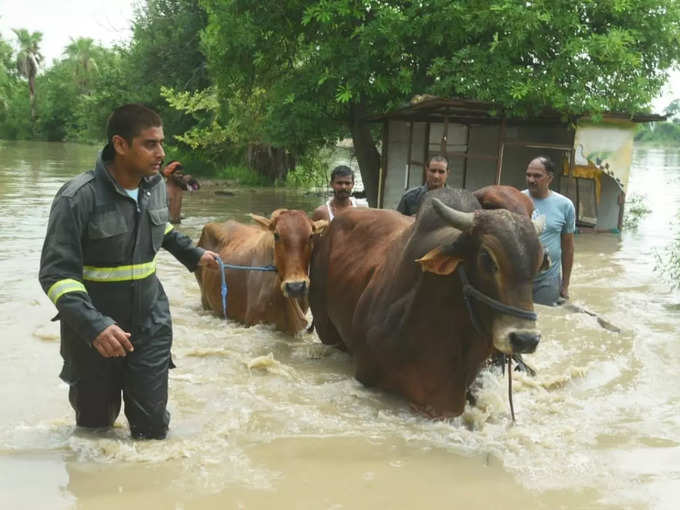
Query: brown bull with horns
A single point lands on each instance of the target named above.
(421, 304)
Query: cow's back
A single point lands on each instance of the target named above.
(345, 261)
(236, 244)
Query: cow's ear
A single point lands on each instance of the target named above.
(319, 226)
(266, 223)
(437, 262)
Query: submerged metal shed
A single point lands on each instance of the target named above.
(485, 147)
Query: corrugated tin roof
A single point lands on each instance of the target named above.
(429, 108)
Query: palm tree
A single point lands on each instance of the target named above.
(81, 53)
(29, 59)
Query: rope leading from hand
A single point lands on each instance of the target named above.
(224, 290)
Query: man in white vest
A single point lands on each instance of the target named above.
(342, 182)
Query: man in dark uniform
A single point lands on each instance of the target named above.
(436, 173)
(98, 267)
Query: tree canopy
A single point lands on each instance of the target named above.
(236, 79)
(29, 59)
(328, 64)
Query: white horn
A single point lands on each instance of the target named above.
(458, 219)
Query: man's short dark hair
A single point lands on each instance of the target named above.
(128, 121)
(438, 157)
(342, 171)
(547, 163)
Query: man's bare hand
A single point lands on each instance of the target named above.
(113, 342)
(209, 258)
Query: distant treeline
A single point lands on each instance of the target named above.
(265, 85)
(662, 133)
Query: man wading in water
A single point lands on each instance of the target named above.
(98, 267)
(552, 285)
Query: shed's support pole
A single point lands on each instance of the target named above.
(501, 146)
(407, 181)
(383, 167)
(445, 137)
(465, 158)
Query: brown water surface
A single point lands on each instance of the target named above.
(262, 421)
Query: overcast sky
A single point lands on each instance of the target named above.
(105, 21)
(108, 22)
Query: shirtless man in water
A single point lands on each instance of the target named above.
(342, 182)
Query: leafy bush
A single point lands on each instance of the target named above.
(636, 209)
(311, 171)
(668, 263)
(242, 175)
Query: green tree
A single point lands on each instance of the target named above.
(109, 87)
(59, 99)
(165, 51)
(673, 110)
(662, 133)
(28, 60)
(82, 54)
(6, 75)
(327, 65)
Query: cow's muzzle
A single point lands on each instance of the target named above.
(524, 342)
(295, 289)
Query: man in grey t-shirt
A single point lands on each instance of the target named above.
(436, 173)
(557, 237)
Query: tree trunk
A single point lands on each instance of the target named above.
(366, 152)
(31, 90)
(273, 163)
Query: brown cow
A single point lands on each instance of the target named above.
(285, 241)
(391, 292)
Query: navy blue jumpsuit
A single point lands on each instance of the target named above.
(98, 266)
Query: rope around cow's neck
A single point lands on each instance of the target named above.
(224, 290)
(470, 292)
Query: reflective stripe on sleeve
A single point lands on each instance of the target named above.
(61, 287)
(119, 273)
(168, 228)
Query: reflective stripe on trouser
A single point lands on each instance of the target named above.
(119, 273)
(168, 228)
(61, 287)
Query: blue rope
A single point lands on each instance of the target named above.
(224, 287)
(224, 290)
(251, 268)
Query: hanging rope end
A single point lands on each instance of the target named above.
(512, 408)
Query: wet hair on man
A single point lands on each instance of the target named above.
(547, 163)
(342, 171)
(128, 121)
(438, 157)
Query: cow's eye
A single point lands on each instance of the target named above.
(276, 236)
(486, 262)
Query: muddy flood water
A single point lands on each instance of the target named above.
(260, 420)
